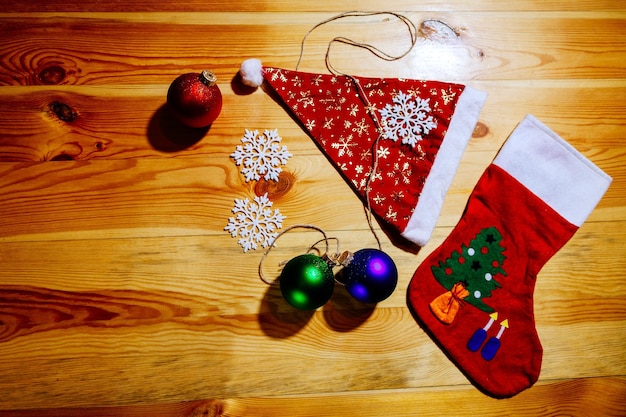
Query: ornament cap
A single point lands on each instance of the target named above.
(207, 77)
(329, 259)
(345, 258)
(334, 259)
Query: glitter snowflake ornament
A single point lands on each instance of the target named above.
(407, 119)
(261, 155)
(254, 222)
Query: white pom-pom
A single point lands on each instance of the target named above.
(252, 72)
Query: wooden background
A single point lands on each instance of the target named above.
(120, 288)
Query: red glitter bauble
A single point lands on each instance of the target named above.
(195, 99)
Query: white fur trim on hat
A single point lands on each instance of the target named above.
(422, 223)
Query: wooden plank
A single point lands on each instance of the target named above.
(53, 49)
(191, 196)
(286, 5)
(230, 357)
(187, 264)
(132, 122)
(593, 396)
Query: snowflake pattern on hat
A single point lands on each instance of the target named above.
(413, 116)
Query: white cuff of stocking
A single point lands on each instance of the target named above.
(553, 170)
(424, 218)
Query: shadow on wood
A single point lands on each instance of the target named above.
(277, 318)
(166, 134)
(343, 313)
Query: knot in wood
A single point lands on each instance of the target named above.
(275, 189)
(438, 31)
(480, 130)
(211, 408)
(63, 111)
(54, 74)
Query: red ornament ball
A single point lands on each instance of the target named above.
(195, 99)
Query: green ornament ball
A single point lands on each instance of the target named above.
(307, 282)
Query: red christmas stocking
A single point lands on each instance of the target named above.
(474, 293)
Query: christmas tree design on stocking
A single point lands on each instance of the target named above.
(474, 293)
(469, 275)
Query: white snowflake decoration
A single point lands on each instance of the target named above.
(261, 155)
(407, 119)
(254, 222)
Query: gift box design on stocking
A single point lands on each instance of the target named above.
(474, 293)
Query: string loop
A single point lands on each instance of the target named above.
(330, 258)
(379, 53)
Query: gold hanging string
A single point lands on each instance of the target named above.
(371, 48)
(329, 257)
(370, 111)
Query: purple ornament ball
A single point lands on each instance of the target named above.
(371, 276)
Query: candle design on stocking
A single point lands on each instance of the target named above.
(479, 336)
(493, 344)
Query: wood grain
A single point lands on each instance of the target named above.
(285, 5)
(38, 53)
(601, 394)
(121, 294)
(133, 122)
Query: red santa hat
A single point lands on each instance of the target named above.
(397, 142)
